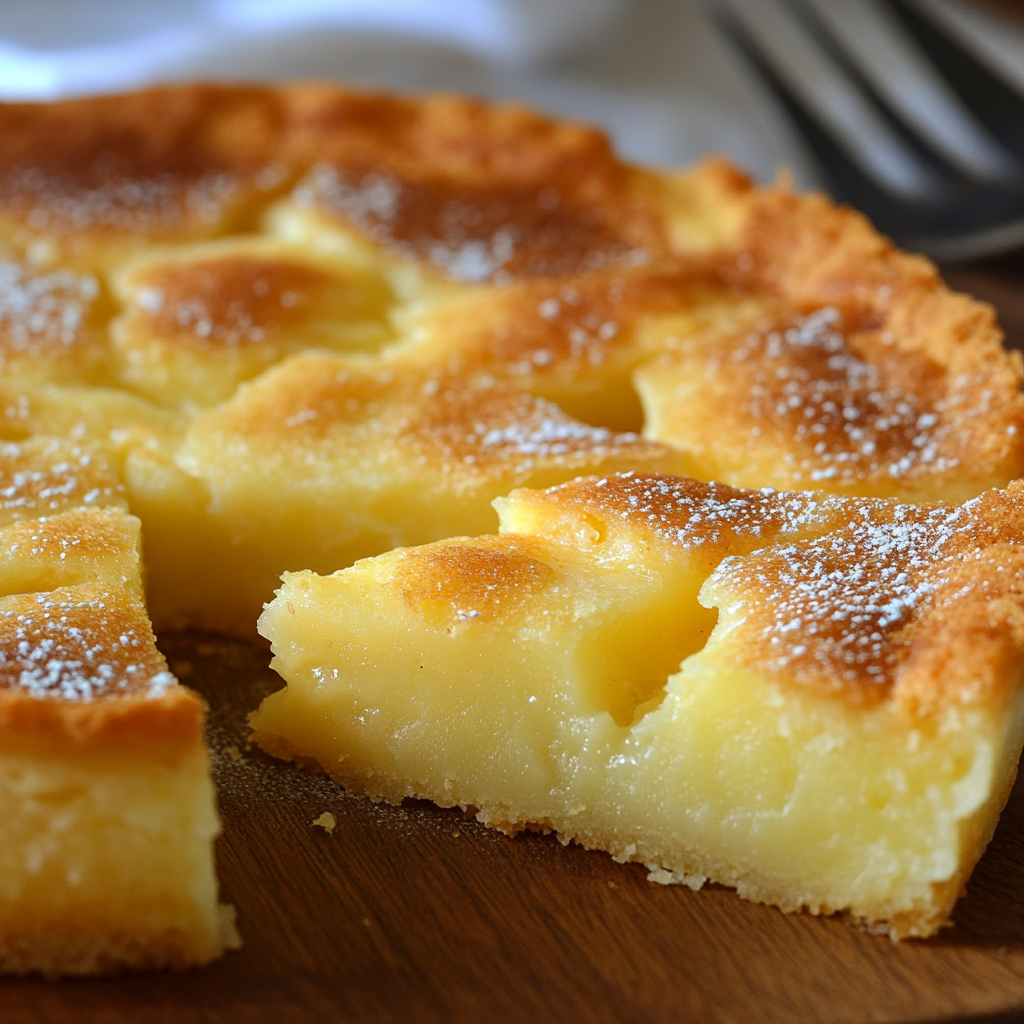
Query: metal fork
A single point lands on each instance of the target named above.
(962, 216)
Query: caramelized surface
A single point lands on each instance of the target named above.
(39, 477)
(83, 643)
(179, 243)
(818, 401)
(85, 180)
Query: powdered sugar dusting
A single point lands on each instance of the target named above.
(38, 479)
(685, 513)
(78, 647)
(373, 203)
(833, 608)
(849, 417)
(515, 433)
(39, 312)
(161, 201)
(192, 315)
(472, 233)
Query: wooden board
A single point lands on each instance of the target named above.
(414, 914)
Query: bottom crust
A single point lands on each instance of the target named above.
(90, 947)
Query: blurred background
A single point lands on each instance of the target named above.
(655, 73)
(658, 74)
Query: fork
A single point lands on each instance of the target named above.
(962, 215)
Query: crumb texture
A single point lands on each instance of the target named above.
(814, 699)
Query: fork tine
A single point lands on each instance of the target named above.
(844, 179)
(997, 106)
(943, 169)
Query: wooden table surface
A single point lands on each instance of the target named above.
(414, 914)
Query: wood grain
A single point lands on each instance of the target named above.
(414, 914)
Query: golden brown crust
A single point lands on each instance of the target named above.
(39, 477)
(664, 515)
(81, 643)
(405, 423)
(855, 323)
(489, 262)
(167, 728)
(577, 339)
(481, 192)
(604, 252)
(80, 674)
(223, 297)
(852, 364)
(51, 324)
(165, 163)
(79, 546)
(921, 602)
(472, 580)
(831, 400)
(860, 598)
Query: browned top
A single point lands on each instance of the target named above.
(567, 269)
(575, 327)
(827, 400)
(473, 581)
(842, 405)
(153, 163)
(552, 269)
(80, 673)
(353, 413)
(907, 348)
(79, 667)
(505, 432)
(862, 598)
(78, 546)
(229, 302)
(841, 594)
(43, 314)
(239, 298)
(90, 642)
(889, 599)
(478, 192)
(40, 477)
(644, 514)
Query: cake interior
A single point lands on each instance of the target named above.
(570, 674)
(107, 862)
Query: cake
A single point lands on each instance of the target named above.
(288, 328)
(105, 793)
(816, 700)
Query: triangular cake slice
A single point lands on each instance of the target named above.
(814, 699)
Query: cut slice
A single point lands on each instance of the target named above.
(842, 739)
(326, 459)
(105, 793)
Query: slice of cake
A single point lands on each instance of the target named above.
(816, 700)
(105, 795)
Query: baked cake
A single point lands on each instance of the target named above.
(105, 795)
(290, 328)
(842, 717)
